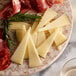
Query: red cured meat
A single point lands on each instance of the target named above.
(4, 58)
(4, 55)
(42, 5)
(51, 2)
(58, 1)
(25, 6)
(25, 3)
(1, 31)
(16, 6)
(7, 11)
(33, 4)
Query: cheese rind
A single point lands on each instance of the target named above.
(59, 22)
(45, 46)
(48, 16)
(34, 59)
(19, 54)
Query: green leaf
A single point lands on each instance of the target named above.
(24, 17)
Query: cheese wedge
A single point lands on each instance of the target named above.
(20, 33)
(18, 25)
(48, 16)
(60, 39)
(19, 54)
(26, 54)
(45, 46)
(34, 37)
(53, 30)
(34, 59)
(59, 22)
(34, 25)
(40, 38)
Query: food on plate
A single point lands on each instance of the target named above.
(16, 25)
(34, 25)
(63, 20)
(26, 54)
(19, 53)
(45, 46)
(52, 30)
(16, 6)
(61, 38)
(34, 37)
(4, 55)
(20, 33)
(40, 38)
(29, 29)
(34, 59)
(46, 18)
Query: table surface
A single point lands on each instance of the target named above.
(69, 53)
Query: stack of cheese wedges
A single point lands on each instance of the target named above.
(33, 42)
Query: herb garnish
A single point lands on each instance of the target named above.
(6, 37)
(16, 18)
(24, 17)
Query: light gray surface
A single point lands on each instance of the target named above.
(69, 53)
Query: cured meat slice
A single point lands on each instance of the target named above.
(42, 5)
(25, 6)
(26, 3)
(7, 11)
(16, 6)
(4, 58)
(1, 30)
(39, 5)
(4, 55)
(33, 4)
(51, 2)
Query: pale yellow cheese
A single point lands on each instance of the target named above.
(18, 25)
(60, 39)
(26, 54)
(52, 30)
(48, 16)
(34, 37)
(34, 25)
(59, 22)
(40, 38)
(19, 53)
(45, 46)
(34, 59)
(20, 33)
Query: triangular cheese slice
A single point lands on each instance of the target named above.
(26, 54)
(19, 54)
(40, 38)
(48, 16)
(34, 37)
(59, 22)
(20, 33)
(52, 30)
(18, 25)
(60, 39)
(34, 59)
(34, 25)
(45, 46)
